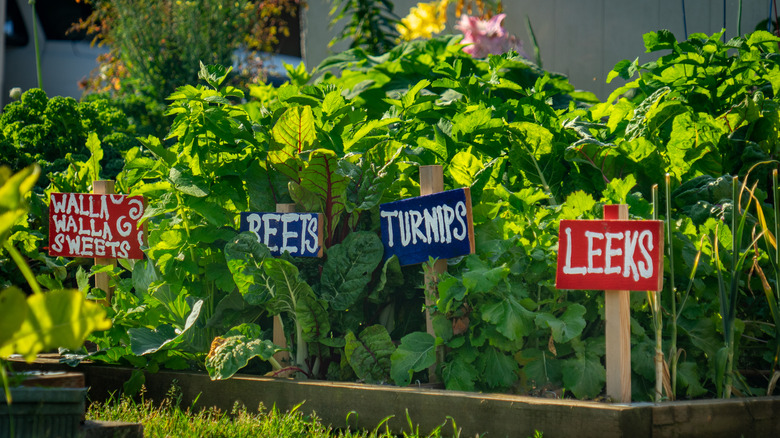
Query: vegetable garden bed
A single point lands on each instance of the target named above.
(365, 406)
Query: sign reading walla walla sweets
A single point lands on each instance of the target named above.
(438, 225)
(91, 225)
(300, 234)
(610, 255)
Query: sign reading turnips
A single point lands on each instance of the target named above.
(438, 225)
(610, 255)
(92, 225)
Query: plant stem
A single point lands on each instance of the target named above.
(37, 47)
(673, 350)
(776, 202)
(26, 272)
(657, 322)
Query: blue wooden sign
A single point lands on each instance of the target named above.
(300, 234)
(438, 225)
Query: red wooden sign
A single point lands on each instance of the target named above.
(88, 225)
(610, 255)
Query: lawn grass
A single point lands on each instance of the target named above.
(170, 419)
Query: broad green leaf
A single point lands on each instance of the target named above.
(463, 168)
(390, 278)
(369, 353)
(312, 315)
(689, 377)
(145, 341)
(184, 181)
(510, 318)
(244, 256)
(323, 177)
(451, 292)
(577, 204)
(13, 190)
(349, 268)
(61, 318)
(13, 311)
(228, 355)
(293, 134)
(416, 353)
(459, 375)
(287, 286)
(499, 370)
(584, 376)
(96, 154)
(568, 326)
(540, 367)
(411, 96)
(480, 277)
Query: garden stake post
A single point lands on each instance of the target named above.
(432, 181)
(616, 255)
(617, 313)
(279, 339)
(102, 279)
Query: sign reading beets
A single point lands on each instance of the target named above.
(610, 255)
(438, 225)
(300, 234)
(100, 226)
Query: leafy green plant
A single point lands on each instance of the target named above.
(371, 24)
(43, 320)
(156, 46)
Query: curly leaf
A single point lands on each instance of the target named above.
(229, 355)
(312, 315)
(349, 268)
(416, 353)
(369, 353)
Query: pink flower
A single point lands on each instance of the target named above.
(487, 37)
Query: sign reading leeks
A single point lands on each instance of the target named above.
(610, 255)
(91, 225)
(438, 225)
(300, 234)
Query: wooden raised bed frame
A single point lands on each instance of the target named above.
(496, 415)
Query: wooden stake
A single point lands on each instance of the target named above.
(283, 357)
(432, 181)
(617, 313)
(102, 279)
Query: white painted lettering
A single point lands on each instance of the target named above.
(389, 215)
(610, 252)
(270, 230)
(593, 252)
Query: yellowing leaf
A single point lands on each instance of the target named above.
(61, 318)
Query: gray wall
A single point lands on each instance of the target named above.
(583, 39)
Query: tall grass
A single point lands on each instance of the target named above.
(170, 419)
